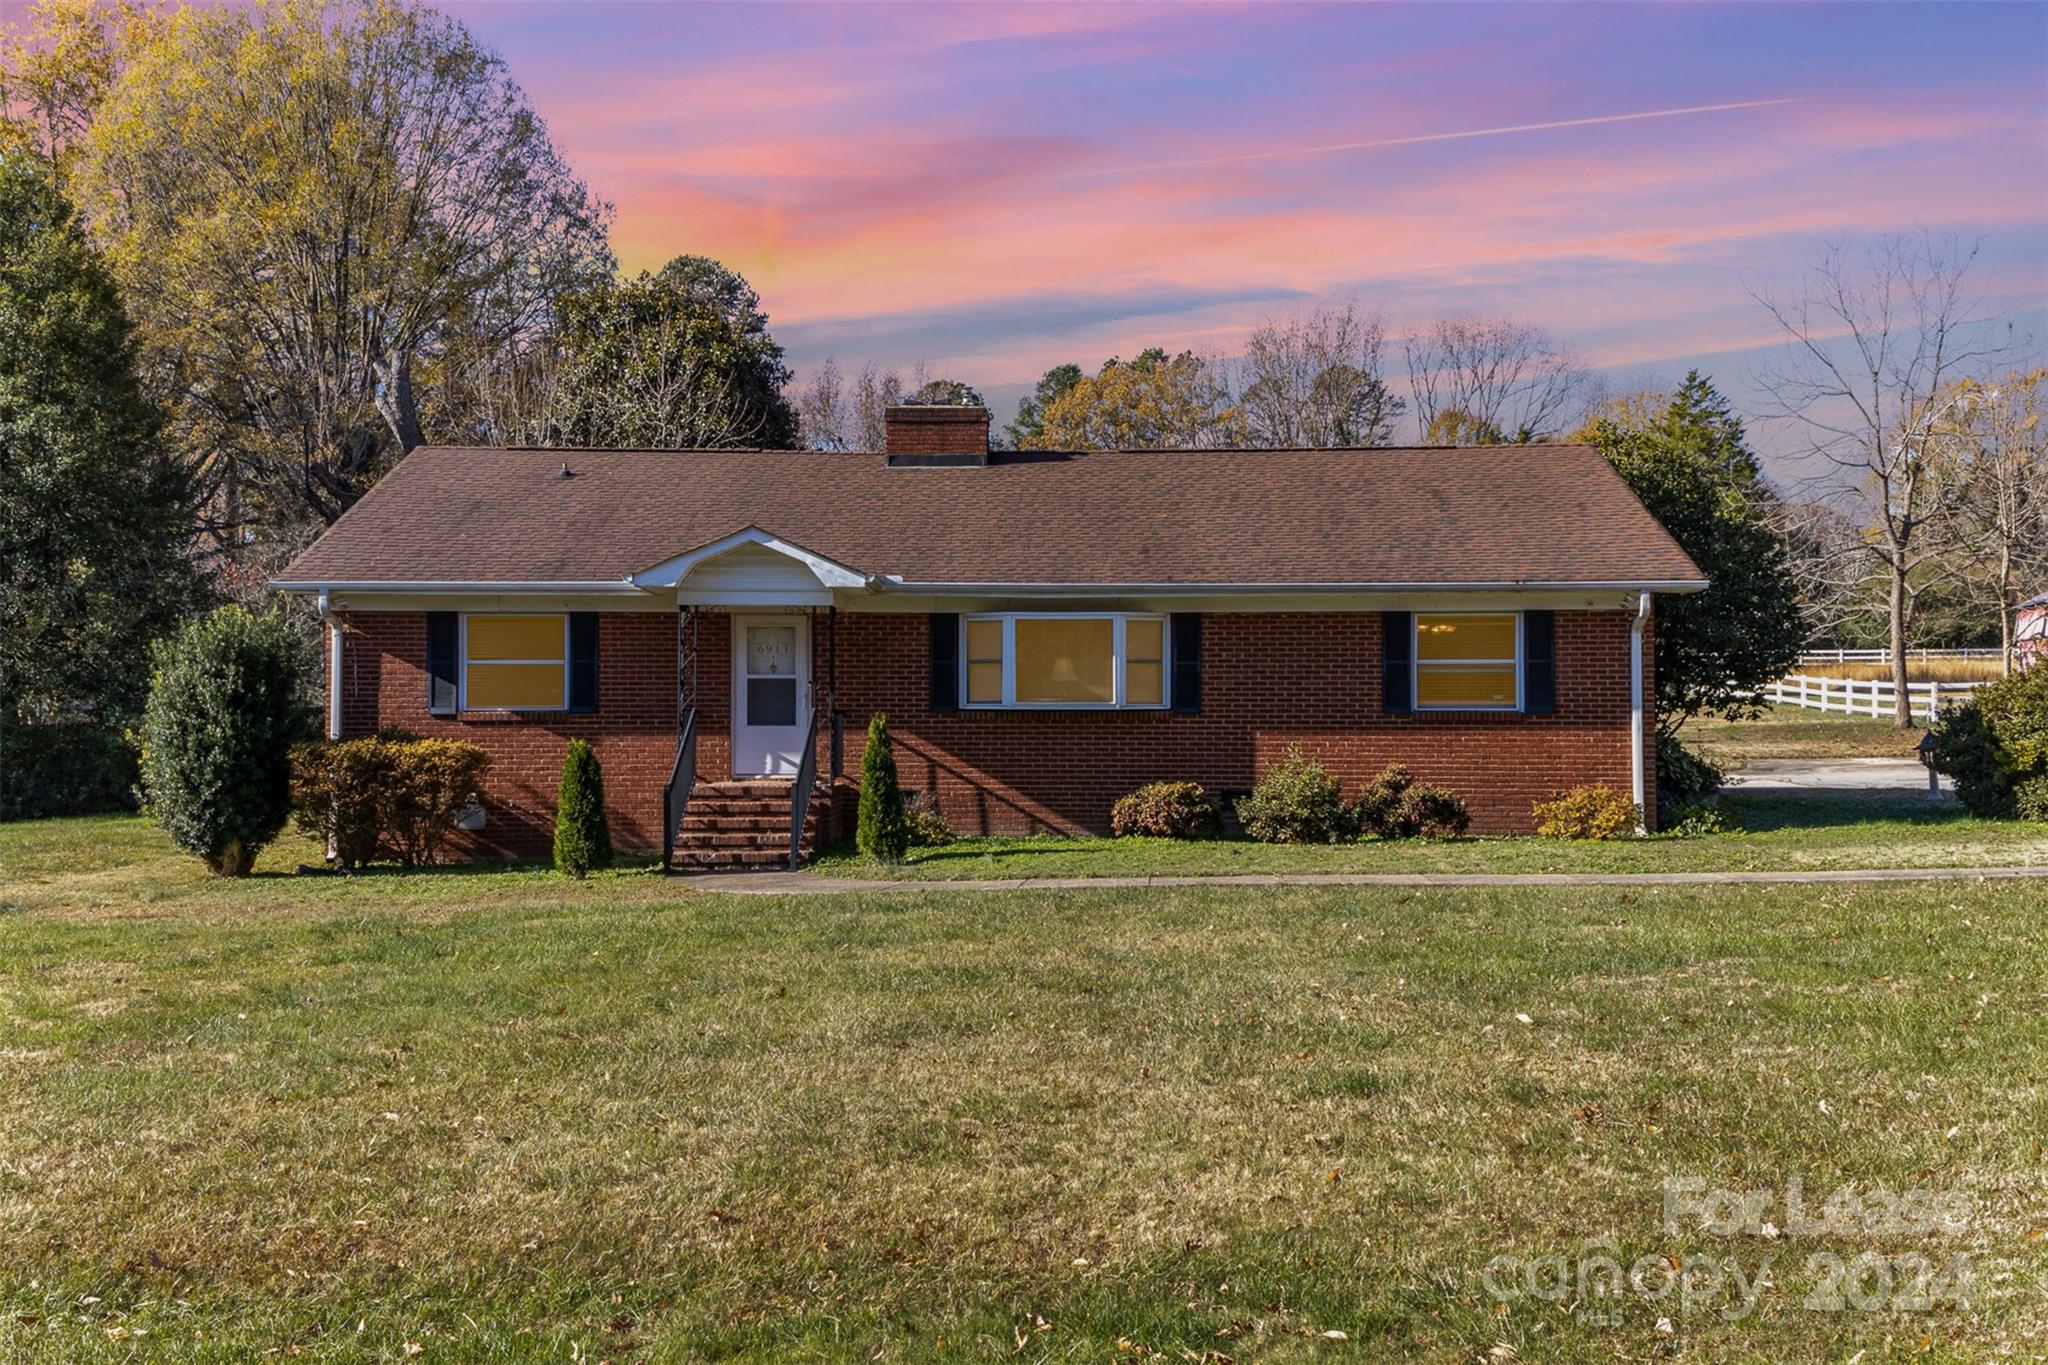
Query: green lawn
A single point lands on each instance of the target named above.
(1796, 732)
(496, 1115)
(1781, 832)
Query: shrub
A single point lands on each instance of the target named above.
(882, 832)
(390, 795)
(1711, 816)
(1395, 806)
(337, 794)
(1587, 812)
(1995, 746)
(224, 710)
(923, 823)
(1684, 778)
(1434, 812)
(1166, 810)
(64, 769)
(1378, 811)
(583, 839)
(1296, 801)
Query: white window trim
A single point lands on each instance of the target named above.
(462, 663)
(1521, 662)
(1009, 620)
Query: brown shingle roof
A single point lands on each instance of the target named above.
(1501, 514)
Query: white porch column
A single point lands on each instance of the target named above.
(1636, 738)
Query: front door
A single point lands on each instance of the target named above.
(771, 692)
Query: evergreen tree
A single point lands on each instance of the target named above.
(1692, 467)
(883, 832)
(583, 838)
(95, 516)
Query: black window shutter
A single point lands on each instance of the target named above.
(582, 661)
(443, 661)
(1539, 662)
(1187, 663)
(945, 661)
(1397, 655)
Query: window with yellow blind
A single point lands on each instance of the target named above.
(1468, 661)
(1064, 660)
(515, 663)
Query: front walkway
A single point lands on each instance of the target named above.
(805, 883)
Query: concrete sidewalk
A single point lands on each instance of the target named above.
(809, 884)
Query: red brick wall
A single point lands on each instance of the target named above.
(1269, 680)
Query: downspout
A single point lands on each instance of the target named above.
(333, 668)
(1636, 737)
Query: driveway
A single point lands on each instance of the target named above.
(1835, 776)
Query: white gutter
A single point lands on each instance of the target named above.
(1636, 743)
(1220, 589)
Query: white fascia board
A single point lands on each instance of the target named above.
(894, 584)
(670, 572)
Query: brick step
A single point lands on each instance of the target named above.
(730, 807)
(694, 823)
(733, 857)
(737, 839)
(764, 789)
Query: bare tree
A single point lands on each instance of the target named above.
(1494, 376)
(1316, 380)
(1998, 518)
(1827, 555)
(824, 410)
(874, 389)
(1878, 338)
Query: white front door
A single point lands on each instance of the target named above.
(771, 694)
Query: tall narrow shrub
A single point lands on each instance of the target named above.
(224, 710)
(583, 840)
(882, 833)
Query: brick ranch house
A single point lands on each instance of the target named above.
(1044, 630)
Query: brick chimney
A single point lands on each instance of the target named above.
(941, 434)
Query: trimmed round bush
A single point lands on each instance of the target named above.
(1596, 811)
(583, 838)
(225, 707)
(1995, 746)
(882, 832)
(1166, 810)
(1378, 812)
(1434, 812)
(1296, 801)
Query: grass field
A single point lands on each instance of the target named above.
(1795, 732)
(496, 1115)
(1917, 670)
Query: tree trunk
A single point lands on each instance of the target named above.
(1902, 700)
(2005, 608)
(395, 401)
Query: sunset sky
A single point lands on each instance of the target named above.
(992, 190)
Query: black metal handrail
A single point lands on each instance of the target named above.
(800, 798)
(675, 797)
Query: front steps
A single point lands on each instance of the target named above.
(732, 826)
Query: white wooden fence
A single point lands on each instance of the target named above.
(1863, 697)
